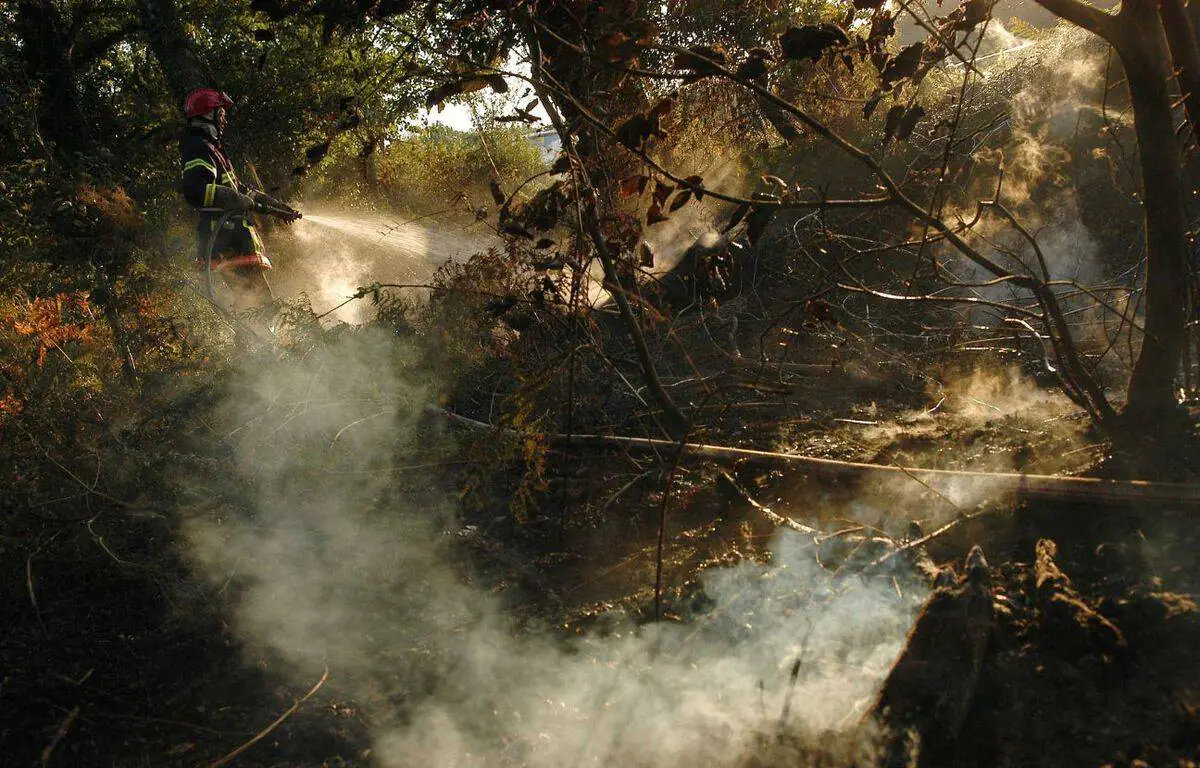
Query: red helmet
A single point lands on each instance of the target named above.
(204, 100)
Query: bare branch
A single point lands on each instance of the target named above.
(1083, 15)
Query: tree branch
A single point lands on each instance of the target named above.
(1082, 15)
(674, 422)
(96, 47)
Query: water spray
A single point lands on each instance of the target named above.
(350, 249)
(360, 248)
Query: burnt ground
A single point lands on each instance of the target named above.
(1054, 690)
(117, 667)
(155, 680)
(117, 655)
(1066, 690)
(153, 686)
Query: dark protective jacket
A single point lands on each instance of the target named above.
(212, 187)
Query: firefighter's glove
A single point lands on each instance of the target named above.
(230, 199)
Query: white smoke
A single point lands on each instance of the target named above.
(1047, 117)
(345, 557)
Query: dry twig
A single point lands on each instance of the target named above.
(266, 731)
(61, 733)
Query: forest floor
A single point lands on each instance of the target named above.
(108, 662)
(114, 667)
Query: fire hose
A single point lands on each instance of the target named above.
(942, 481)
(208, 255)
(209, 293)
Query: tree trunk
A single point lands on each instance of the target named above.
(928, 693)
(47, 53)
(1185, 54)
(172, 47)
(673, 422)
(1139, 41)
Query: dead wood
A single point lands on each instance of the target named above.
(944, 481)
(916, 554)
(1069, 625)
(59, 735)
(775, 518)
(928, 692)
(227, 759)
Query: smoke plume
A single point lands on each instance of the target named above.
(1048, 118)
(343, 555)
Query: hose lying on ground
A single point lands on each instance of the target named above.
(950, 482)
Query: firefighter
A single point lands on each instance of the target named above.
(212, 187)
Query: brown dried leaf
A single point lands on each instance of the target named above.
(697, 60)
(646, 254)
(655, 215)
(496, 83)
(317, 152)
(634, 186)
(736, 218)
(662, 108)
(872, 103)
(635, 131)
(472, 84)
(680, 200)
(756, 223)
(662, 191)
(512, 227)
(905, 64)
(809, 42)
(753, 68)
(911, 118)
(892, 122)
(615, 47)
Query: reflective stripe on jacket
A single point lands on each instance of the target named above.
(204, 169)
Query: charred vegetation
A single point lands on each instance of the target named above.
(821, 398)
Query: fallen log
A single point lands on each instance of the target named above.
(928, 691)
(944, 482)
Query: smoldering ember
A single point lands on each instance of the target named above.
(688, 384)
